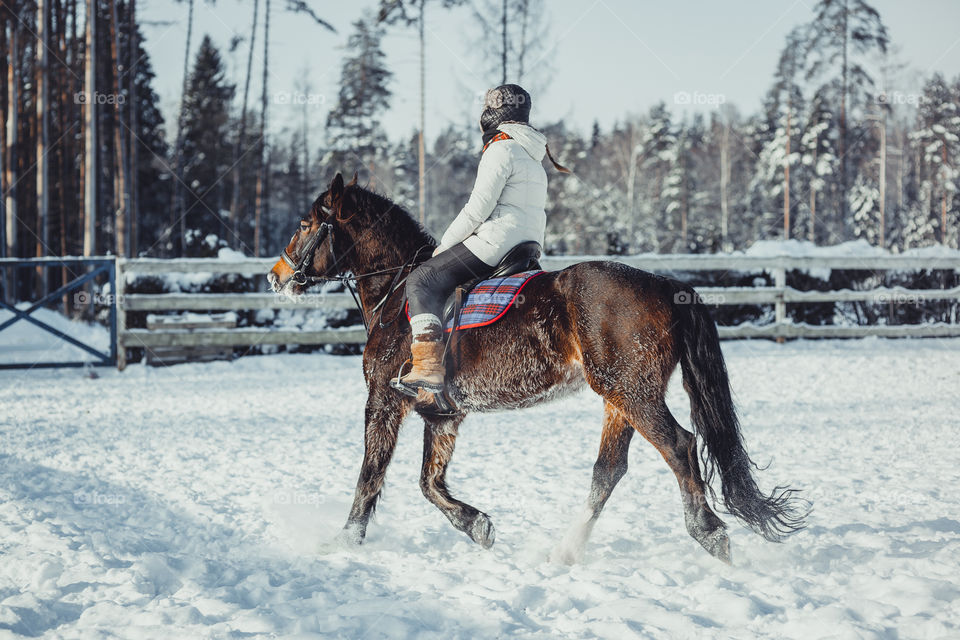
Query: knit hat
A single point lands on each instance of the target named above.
(506, 103)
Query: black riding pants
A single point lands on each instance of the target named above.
(432, 282)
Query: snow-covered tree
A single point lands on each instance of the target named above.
(843, 35)
(937, 145)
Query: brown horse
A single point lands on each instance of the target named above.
(618, 330)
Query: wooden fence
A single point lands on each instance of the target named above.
(779, 295)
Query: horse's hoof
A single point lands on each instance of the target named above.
(718, 544)
(481, 531)
(350, 536)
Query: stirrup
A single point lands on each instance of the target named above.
(435, 404)
(409, 389)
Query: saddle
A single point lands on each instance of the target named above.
(523, 257)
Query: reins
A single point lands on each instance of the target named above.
(301, 278)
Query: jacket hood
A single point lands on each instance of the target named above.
(532, 141)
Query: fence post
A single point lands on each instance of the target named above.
(119, 292)
(780, 307)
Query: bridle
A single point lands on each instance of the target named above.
(299, 274)
(301, 278)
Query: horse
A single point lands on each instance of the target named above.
(618, 330)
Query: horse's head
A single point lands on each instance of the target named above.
(315, 251)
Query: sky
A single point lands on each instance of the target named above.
(603, 59)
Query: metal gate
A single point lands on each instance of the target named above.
(98, 266)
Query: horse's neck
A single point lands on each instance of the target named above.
(386, 254)
(373, 289)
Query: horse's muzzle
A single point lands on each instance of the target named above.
(274, 281)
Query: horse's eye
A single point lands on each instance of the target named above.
(304, 226)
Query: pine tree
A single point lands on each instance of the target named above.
(843, 35)
(153, 180)
(657, 228)
(353, 125)
(818, 161)
(937, 143)
(206, 148)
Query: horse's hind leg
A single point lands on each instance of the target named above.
(610, 466)
(679, 448)
(384, 413)
(439, 438)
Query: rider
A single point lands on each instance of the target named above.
(505, 208)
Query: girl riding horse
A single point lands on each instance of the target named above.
(603, 325)
(505, 208)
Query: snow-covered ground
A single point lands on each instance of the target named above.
(200, 500)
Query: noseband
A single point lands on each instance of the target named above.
(301, 278)
(299, 268)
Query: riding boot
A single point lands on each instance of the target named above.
(426, 348)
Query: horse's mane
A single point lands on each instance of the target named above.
(404, 229)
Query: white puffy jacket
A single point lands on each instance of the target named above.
(506, 206)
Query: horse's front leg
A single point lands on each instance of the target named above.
(439, 438)
(385, 411)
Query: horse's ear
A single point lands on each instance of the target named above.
(336, 189)
(353, 181)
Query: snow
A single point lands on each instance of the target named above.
(24, 342)
(200, 501)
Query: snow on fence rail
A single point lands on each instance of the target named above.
(778, 295)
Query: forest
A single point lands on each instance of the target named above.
(91, 167)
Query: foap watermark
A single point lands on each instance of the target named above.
(298, 498)
(300, 98)
(491, 299)
(83, 97)
(699, 98)
(691, 297)
(898, 297)
(83, 298)
(894, 98)
(96, 498)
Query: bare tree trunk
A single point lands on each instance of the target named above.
(43, 139)
(263, 194)
(241, 138)
(71, 86)
(421, 162)
(133, 117)
(842, 146)
(4, 63)
(13, 125)
(724, 183)
(943, 198)
(883, 176)
(786, 182)
(304, 180)
(90, 170)
(66, 144)
(503, 39)
(812, 234)
(121, 195)
(684, 213)
(524, 7)
(176, 213)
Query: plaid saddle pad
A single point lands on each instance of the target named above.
(490, 300)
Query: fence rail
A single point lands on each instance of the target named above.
(89, 269)
(779, 295)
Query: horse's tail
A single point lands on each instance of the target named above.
(773, 516)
